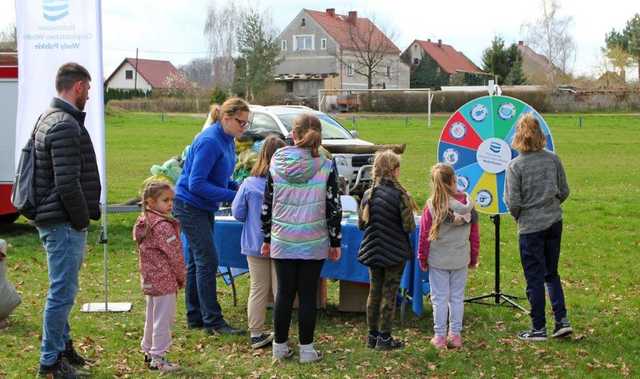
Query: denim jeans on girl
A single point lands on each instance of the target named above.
(201, 258)
(65, 249)
(540, 253)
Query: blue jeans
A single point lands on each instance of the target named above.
(65, 249)
(201, 257)
(539, 254)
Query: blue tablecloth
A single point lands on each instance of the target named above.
(415, 282)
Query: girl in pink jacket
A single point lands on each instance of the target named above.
(162, 271)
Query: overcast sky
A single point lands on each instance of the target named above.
(164, 29)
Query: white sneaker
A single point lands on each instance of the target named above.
(162, 364)
(281, 351)
(309, 354)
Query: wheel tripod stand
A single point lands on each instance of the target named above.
(499, 297)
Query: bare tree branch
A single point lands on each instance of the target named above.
(551, 36)
(367, 48)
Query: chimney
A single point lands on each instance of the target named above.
(439, 43)
(428, 39)
(520, 43)
(331, 12)
(352, 17)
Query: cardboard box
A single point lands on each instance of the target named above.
(353, 296)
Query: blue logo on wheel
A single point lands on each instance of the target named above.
(479, 112)
(495, 147)
(484, 198)
(450, 156)
(506, 111)
(54, 10)
(462, 183)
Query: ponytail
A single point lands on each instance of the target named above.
(308, 131)
(215, 113)
(442, 176)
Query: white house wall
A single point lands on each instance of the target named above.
(399, 77)
(314, 61)
(119, 80)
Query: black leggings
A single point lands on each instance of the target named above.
(296, 276)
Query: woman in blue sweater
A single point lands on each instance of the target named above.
(204, 183)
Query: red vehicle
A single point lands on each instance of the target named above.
(8, 111)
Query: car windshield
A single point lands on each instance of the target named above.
(331, 129)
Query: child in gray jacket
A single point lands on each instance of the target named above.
(9, 297)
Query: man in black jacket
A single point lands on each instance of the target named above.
(67, 187)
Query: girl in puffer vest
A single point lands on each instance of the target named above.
(386, 216)
(449, 244)
(301, 217)
(162, 271)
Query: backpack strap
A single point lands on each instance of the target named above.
(42, 116)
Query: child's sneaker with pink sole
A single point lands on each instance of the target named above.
(439, 342)
(455, 341)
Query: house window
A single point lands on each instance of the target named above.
(323, 44)
(304, 22)
(128, 74)
(290, 86)
(350, 69)
(416, 61)
(387, 72)
(283, 45)
(303, 42)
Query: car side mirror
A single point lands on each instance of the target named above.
(354, 133)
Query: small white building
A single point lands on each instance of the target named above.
(146, 75)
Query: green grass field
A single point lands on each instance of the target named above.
(599, 264)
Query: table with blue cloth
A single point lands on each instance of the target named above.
(414, 283)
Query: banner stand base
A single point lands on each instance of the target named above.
(106, 307)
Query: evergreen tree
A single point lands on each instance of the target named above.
(504, 63)
(259, 49)
(627, 40)
(427, 74)
(516, 74)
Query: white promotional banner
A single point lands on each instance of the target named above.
(51, 33)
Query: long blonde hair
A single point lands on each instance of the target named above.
(308, 131)
(269, 147)
(442, 175)
(384, 165)
(529, 136)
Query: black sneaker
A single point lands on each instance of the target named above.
(533, 335)
(562, 329)
(225, 330)
(147, 360)
(72, 356)
(59, 370)
(372, 341)
(261, 341)
(388, 343)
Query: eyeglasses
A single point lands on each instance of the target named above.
(242, 123)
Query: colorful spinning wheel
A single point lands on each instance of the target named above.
(476, 141)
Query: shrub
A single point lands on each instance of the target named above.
(218, 96)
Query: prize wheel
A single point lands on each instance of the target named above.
(476, 141)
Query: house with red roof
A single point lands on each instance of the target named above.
(435, 64)
(536, 67)
(319, 50)
(146, 75)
